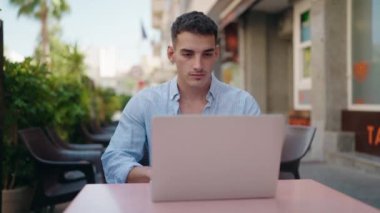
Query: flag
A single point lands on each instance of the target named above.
(143, 32)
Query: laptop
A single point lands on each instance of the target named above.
(197, 157)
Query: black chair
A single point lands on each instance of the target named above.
(95, 128)
(57, 141)
(298, 140)
(51, 166)
(89, 152)
(101, 138)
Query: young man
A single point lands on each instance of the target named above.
(194, 90)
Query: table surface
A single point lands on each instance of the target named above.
(291, 196)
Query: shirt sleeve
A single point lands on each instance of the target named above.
(251, 107)
(126, 147)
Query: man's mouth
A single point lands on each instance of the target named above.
(197, 75)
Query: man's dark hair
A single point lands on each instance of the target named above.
(194, 22)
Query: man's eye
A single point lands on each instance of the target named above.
(187, 54)
(208, 54)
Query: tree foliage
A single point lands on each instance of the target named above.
(43, 10)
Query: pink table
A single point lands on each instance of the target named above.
(292, 196)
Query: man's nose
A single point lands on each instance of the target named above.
(197, 66)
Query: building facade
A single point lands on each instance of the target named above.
(315, 61)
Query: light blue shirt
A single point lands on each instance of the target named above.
(126, 147)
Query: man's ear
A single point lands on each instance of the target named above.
(170, 53)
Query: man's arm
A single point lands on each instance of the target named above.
(139, 175)
(126, 147)
(251, 107)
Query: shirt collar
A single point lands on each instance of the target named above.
(173, 92)
(215, 83)
(212, 93)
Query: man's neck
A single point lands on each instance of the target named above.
(191, 93)
(192, 100)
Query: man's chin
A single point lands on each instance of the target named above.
(200, 84)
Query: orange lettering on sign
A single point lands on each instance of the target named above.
(370, 134)
(377, 142)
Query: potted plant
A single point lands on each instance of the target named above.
(17, 179)
(26, 92)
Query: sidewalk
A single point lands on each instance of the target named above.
(357, 184)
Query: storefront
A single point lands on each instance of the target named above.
(256, 54)
(363, 59)
(318, 62)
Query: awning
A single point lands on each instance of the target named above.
(226, 11)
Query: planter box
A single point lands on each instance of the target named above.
(17, 200)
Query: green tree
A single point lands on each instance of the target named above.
(66, 59)
(42, 10)
(72, 91)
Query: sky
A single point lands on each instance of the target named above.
(90, 23)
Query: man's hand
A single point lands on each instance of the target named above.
(139, 175)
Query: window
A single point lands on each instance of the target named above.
(302, 56)
(364, 54)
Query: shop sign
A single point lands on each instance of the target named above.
(373, 133)
(366, 126)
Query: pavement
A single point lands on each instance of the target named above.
(355, 183)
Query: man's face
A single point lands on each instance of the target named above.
(194, 56)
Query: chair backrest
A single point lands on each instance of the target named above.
(38, 144)
(86, 133)
(94, 127)
(55, 138)
(298, 140)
